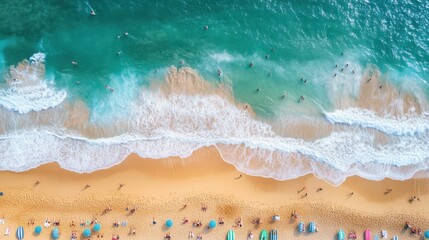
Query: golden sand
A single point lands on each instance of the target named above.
(160, 189)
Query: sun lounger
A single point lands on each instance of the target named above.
(7, 232)
(395, 238)
(1, 220)
(124, 223)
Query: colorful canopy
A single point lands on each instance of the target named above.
(20, 232)
(427, 234)
(169, 223)
(55, 233)
(341, 235)
(87, 232)
(312, 227)
(97, 227)
(212, 224)
(38, 229)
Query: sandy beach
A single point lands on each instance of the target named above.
(161, 188)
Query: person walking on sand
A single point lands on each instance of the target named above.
(388, 190)
(239, 177)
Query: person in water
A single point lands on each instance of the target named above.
(206, 27)
(92, 12)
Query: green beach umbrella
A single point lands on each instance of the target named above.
(169, 223)
(212, 224)
(427, 234)
(87, 232)
(55, 233)
(38, 229)
(97, 227)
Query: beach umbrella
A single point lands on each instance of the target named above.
(20, 232)
(212, 224)
(169, 223)
(38, 229)
(55, 233)
(97, 227)
(312, 227)
(341, 235)
(87, 232)
(427, 234)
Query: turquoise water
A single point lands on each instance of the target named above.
(285, 40)
(308, 38)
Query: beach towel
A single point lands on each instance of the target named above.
(47, 224)
(7, 232)
(1, 220)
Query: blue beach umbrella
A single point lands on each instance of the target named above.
(38, 229)
(169, 223)
(20, 232)
(427, 234)
(55, 233)
(87, 232)
(341, 235)
(97, 227)
(212, 224)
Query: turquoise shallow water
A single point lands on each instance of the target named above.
(307, 36)
(285, 40)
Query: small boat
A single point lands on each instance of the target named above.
(264, 235)
(301, 227)
(341, 235)
(20, 232)
(273, 234)
(367, 234)
(230, 235)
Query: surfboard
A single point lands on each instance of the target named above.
(230, 235)
(264, 235)
(273, 234)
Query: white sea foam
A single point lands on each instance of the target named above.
(404, 125)
(28, 89)
(178, 124)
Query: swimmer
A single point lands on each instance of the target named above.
(74, 63)
(126, 34)
(92, 12)
(251, 64)
(273, 49)
(206, 27)
(284, 95)
(118, 37)
(342, 69)
(219, 72)
(77, 82)
(182, 62)
(347, 65)
(353, 71)
(269, 74)
(119, 52)
(305, 81)
(267, 56)
(257, 90)
(301, 98)
(335, 75)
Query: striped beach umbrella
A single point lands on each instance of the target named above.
(38, 229)
(20, 232)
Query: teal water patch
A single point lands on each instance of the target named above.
(286, 41)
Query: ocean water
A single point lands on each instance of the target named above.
(146, 81)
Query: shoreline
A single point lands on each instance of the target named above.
(159, 188)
